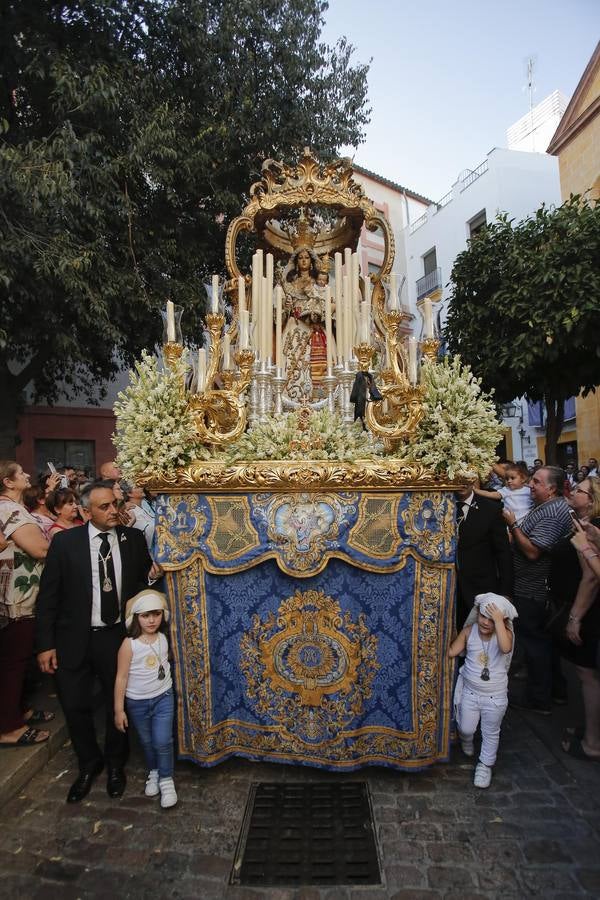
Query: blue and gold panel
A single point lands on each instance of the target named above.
(343, 669)
(302, 532)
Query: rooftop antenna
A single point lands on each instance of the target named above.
(530, 66)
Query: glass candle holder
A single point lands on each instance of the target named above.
(171, 319)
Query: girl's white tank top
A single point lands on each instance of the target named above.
(143, 682)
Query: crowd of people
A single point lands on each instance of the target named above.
(77, 596)
(86, 601)
(528, 566)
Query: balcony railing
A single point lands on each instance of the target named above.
(414, 226)
(429, 283)
(473, 175)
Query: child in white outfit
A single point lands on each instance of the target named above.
(144, 678)
(515, 495)
(482, 687)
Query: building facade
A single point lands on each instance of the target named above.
(576, 144)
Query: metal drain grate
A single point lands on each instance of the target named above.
(299, 833)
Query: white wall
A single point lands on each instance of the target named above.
(508, 181)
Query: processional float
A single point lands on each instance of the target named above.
(311, 599)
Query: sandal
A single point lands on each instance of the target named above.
(577, 731)
(38, 716)
(29, 738)
(573, 748)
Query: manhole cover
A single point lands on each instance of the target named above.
(298, 833)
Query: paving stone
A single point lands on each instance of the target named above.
(449, 877)
(543, 880)
(589, 878)
(545, 851)
(449, 852)
(404, 876)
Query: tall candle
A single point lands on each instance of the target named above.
(328, 329)
(279, 324)
(214, 303)
(393, 293)
(226, 351)
(244, 327)
(427, 318)
(412, 360)
(269, 272)
(348, 261)
(347, 336)
(170, 321)
(255, 284)
(201, 383)
(267, 321)
(241, 294)
(339, 311)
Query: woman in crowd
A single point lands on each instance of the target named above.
(574, 583)
(63, 506)
(21, 563)
(34, 499)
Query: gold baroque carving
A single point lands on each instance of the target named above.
(301, 475)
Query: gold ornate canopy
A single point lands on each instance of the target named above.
(307, 188)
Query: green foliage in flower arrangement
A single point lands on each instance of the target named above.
(155, 427)
(326, 436)
(459, 432)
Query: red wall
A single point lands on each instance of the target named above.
(65, 423)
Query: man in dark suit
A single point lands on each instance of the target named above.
(483, 555)
(90, 573)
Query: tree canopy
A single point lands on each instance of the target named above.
(130, 132)
(524, 309)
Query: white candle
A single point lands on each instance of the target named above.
(279, 324)
(244, 327)
(269, 273)
(339, 311)
(348, 261)
(267, 322)
(170, 321)
(355, 275)
(348, 324)
(226, 351)
(412, 360)
(214, 303)
(241, 294)
(328, 329)
(427, 318)
(201, 382)
(255, 285)
(393, 293)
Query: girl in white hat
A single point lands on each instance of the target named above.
(481, 691)
(144, 678)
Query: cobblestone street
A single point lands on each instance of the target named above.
(535, 832)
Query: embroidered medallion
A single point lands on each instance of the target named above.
(309, 668)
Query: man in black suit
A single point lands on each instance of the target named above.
(90, 573)
(483, 555)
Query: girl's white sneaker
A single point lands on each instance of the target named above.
(152, 789)
(168, 794)
(483, 775)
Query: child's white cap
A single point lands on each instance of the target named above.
(146, 601)
(504, 605)
(481, 603)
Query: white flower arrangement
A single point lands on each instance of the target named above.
(326, 436)
(155, 428)
(459, 432)
(156, 433)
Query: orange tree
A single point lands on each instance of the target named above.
(524, 309)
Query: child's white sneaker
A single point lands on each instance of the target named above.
(467, 746)
(152, 789)
(168, 794)
(483, 775)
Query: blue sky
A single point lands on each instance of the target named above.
(448, 77)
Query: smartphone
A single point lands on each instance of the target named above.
(52, 468)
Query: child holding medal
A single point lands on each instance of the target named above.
(481, 691)
(144, 678)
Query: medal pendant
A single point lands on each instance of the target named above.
(161, 672)
(485, 674)
(107, 585)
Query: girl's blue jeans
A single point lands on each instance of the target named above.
(153, 721)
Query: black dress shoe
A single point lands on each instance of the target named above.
(81, 787)
(115, 783)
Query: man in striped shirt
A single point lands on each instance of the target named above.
(547, 523)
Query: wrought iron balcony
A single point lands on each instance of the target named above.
(429, 283)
